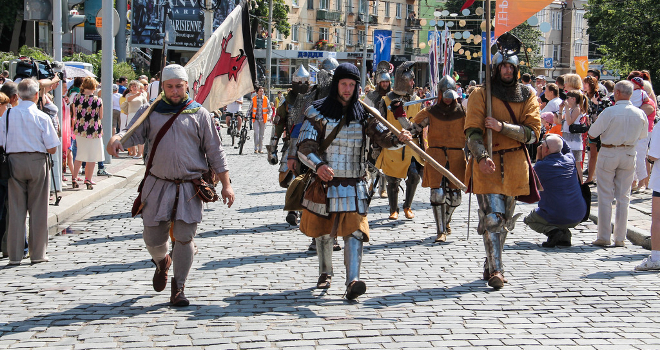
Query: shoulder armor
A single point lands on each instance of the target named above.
(525, 92)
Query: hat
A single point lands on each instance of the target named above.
(541, 77)
(548, 117)
(347, 71)
(638, 81)
(449, 93)
(115, 87)
(174, 71)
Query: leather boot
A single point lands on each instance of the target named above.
(178, 298)
(160, 276)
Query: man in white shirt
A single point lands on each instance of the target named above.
(619, 128)
(234, 108)
(154, 86)
(527, 81)
(29, 139)
(552, 94)
(116, 109)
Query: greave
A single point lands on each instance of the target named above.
(353, 256)
(439, 213)
(324, 251)
(393, 193)
(493, 244)
(411, 186)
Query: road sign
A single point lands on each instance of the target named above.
(547, 62)
(115, 21)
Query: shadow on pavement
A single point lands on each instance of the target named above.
(113, 216)
(98, 269)
(524, 245)
(264, 193)
(106, 239)
(625, 258)
(608, 275)
(426, 294)
(260, 208)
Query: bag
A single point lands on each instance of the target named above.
(578, 128)
(296, 190)
(205, 191)
(534, 182)
(5, 174)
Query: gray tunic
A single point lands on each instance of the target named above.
(182, 154)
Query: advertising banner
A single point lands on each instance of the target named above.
(382, 46)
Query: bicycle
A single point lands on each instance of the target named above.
(232, 129)
(243, 135)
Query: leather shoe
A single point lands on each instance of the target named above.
(178, 298)
(442, 237)
(383, 194)
(601, 242)
(553, 238)
(394, 215)
(160, 276)
(408, 212)
(355, 289)
(324, 281)
(486, 275)
(335, 246)
(496, 280)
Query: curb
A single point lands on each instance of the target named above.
(73, 203)
(636, 236)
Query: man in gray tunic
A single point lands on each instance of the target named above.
(170, 204)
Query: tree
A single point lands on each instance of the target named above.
(530, 38)
(624, 34)
(259, 14)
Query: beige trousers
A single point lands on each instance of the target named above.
(615, 169)
(28, 193)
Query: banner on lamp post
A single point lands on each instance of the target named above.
(382, 46)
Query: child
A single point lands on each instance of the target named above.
(575, 112)
(551, 123)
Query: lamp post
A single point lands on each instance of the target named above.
(363, 81)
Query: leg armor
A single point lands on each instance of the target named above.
(414, 175)
(324, 251)
(495, 221)
(454, 199)
(393, 193)
(439, 207)
(352, 256)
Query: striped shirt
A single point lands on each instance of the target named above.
(30, 130)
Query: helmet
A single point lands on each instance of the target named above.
(382, 76)
(508, 48)
(329, 64)
(402, 78)
(446, 83)
(301, 75)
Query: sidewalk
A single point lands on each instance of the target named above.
(639, 216)
(124, 169)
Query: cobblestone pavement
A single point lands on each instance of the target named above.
(252, 285)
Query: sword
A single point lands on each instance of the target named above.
(410, 103)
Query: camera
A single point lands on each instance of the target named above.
(27, 67)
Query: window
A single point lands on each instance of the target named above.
(363, 6)
(294, 3)
(323, 4)
(409, 10)
(323, 34)
(387, 8)
(397, 39)
(556, 53)
(577, 49)
(579, 20)
(360, 37)
(294, 33)
(541, 16)
(374, 8)
(349, 37)
(336, 35)
(310, 4)
(349, 5)
(556, 20)
(338, 5)
(398, 11)
(310, 37)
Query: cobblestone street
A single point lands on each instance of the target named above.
(252, 284)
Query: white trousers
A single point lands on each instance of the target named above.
(640, 161)
(615, 169)
(259, 128)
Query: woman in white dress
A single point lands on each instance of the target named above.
(135, 98)
(88, 110)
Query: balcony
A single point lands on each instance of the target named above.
(412, 24)
(261, 43)
(409, 49)
(328, 16)
(360, 20)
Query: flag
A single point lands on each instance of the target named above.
(223, 70)
(510, 13)
(382, 46)
(467, 4)
(434, 60)
(581, 65)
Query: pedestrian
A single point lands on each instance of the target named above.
(88, 109)
(445, 121)
(169, 201)
(260, 113)
(562, 206)
(334, 131)
(652, 262)
(498, 179)
(641, 99)
(116, 109)
(154, 87)
(401, 163)
(574, 114)
(121, 82)
(619, 128)
(597, 104)
(28, 141)
(135, 99)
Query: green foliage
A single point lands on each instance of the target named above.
(625, 33)
(529, 36)
(7, 56)
(280, 15)
(123, 69)
(9, 13)
(34, 52)
(93, 59)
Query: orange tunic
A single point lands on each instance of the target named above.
(445, 144)
(515, 180)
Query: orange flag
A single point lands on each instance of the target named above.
(581, 65)
(510, 13)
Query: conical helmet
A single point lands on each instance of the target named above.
(329, 64)
(402, 77)
(446, 83)
(301, 75)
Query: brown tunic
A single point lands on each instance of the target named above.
(513, 181)
(445, 141)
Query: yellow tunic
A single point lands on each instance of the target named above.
(395, 163)
(515, 181)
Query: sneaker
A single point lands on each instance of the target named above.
(647, 265)
(102, 172)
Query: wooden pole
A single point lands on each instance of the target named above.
(417, 149)
(489, 105)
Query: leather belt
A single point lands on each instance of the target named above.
(178, 183)
(501, 153)
(616, 146)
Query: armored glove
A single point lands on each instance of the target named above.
(272, 154)
(396, 106)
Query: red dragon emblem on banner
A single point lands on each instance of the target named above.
(227, 65)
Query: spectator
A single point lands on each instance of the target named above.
(88, 131)
(602, 90)
(116, 109)
(609, 85)
(574, 113)
(121, 82)
(554, 102)
(551, 122)
(597, 104)
(619, 127)
(10, 89)
(527, 81)
(560, 84)
(30, 137)
(540, 85)
(640, 99)
(561, 206)
(154, 87)
(653, 261)
(135, 99)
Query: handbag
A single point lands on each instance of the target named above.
(296, 190)
(534, 182)
(204, 187)
(5, 174)
(137, 203)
